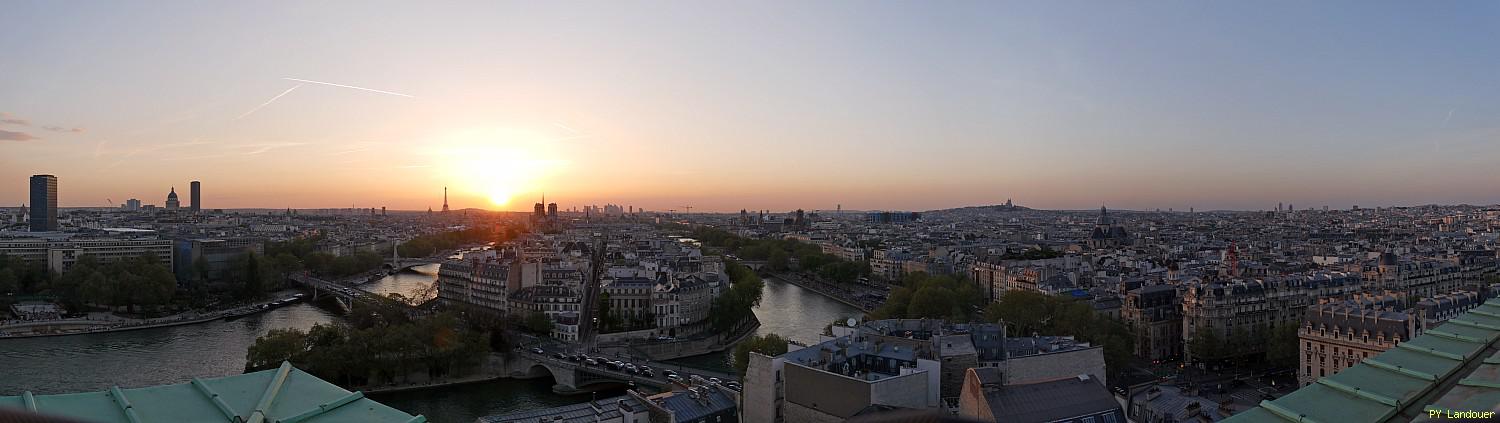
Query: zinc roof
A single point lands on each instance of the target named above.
(284, 395)
(1455, 366)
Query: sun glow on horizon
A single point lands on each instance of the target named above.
(497, 165)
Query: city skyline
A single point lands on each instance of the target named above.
(772, 106)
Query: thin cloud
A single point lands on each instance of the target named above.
(349, 86)
(268, 102)
(16, 136)
(253, 149)
(10, 119)
(13, 120)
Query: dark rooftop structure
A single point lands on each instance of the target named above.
(1074, 399)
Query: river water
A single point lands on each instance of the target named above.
(92, 362)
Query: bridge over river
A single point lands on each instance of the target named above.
(575, 376)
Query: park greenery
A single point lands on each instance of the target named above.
(783, 255)
(537, 323)
(1032, 254)
(427, 245)
(20, 277)
(132, 284)
(769, 344)
(301, 253)
(733, 306)
(1030, 314)
(377, 350)
(1277, 342)
(129, 283)
(924, 296)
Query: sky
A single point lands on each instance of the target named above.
(771, 105)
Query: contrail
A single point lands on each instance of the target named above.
(347, 86)
(268, 102)
(1450, 117)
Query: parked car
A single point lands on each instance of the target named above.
(575, 357)
(647, 372)
(538, 350)
(715, 380)
(669, 373)
(559, 356)
(590, 362)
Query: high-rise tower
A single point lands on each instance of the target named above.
(43, 203)
(195, 196)
(445, 199)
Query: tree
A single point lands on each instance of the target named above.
(1281, 346)
(931, 302)
(538, 323)
(769, 344)
(97, 289)
(777, 260)
(274, 347)
(1205, 345)
(9, 282)
(200, 268)
(252, 277)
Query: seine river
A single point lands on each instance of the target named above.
(177, 354)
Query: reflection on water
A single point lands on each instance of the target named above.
(145, 357)
(787, 310)
(93, 362)
(407, 282)
(798, 314)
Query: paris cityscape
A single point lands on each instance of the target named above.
(758, 212)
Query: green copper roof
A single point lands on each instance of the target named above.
(284, 395)
(1455, 366)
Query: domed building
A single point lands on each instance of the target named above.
(1107, 233)
(172, 202)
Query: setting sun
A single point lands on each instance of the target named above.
(497, 164)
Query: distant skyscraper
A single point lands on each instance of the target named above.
(172, 203)
(43, 203)
(132, 204)
(195, 199)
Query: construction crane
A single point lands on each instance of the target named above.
(111, 202)
(688, 208)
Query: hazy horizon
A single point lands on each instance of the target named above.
(765, 105)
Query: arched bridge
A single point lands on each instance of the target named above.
(572, 377)
(345, 295)
(407, 263)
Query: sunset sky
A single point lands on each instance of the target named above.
(756, 105)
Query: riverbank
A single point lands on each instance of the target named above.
(440, 383)
(825, 290)
(65, 327)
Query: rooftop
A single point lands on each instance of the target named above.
(1051, 401)
(1455, 366)
(282, 395)
(609, 408)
